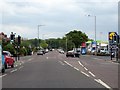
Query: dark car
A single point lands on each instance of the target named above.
(77, 53)
(70, 54)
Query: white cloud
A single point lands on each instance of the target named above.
(59, 16)
(21, 30)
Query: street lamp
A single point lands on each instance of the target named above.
(95, 33)
(38, 35)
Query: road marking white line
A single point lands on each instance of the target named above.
(61, 62)
(85, 74)
(101, 82)
(97, 58)
(29, 59)
(21, 67)
(85, 68)
(16, 65)
(80, 63)
(13, 70)
(68, 63)
(76, 68)
(92, 74)
(46, 57)
(3, 75)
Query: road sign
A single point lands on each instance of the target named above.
(111, 35)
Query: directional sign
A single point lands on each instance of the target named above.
(111, 34)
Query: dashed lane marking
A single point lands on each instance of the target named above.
(92, 74)
(68, 63)
(13, 71)
(61, 62)
(85, 74)
(46, 57)
(80, 63)
(85, 68)
(97, 58)
(102, 83)
(76, 68)
(3, 75)
(21, 67)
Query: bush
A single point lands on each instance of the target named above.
(10, 48)
(23, 51)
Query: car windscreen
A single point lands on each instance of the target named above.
(4, 53)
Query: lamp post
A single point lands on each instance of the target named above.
(95, 33)
(38, 36)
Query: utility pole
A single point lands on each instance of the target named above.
(38, 36)
(95, 33)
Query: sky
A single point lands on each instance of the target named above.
(58, 17)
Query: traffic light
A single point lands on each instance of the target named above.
(19, 39)
(115, 38)
(118, 39)
(12, 37)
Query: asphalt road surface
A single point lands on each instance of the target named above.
(54, 70)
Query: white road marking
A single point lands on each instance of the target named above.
(68, 63)
(104, 84)
(61, 62)
(46, 57)
(97, 58)
(13, 70)
(85, 68)
(85, 74)
(29, 59)
(92, 74)
(80, 63)
(21, 67)
(76, 68)
(3, 75)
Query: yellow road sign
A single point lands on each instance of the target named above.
(111, 34)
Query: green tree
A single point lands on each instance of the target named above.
(9, 47)
(77, 37)
(43, 44)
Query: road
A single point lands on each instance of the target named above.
(54, 70)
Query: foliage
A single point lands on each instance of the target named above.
(43, 44)
(10, 48)
(77, 37)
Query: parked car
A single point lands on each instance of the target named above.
(40, 52)
(9, 60)
(46, 50)
(70, 54)
(77, 53)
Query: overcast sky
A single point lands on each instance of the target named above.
(59, 17)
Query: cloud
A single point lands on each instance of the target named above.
(59, 16)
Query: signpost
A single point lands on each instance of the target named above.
(113, 44)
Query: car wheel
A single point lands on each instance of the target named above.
(12, 66)
(6, 66)
(3, 70)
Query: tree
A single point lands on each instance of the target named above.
(9, 47)
(77, 37)
(43, 44)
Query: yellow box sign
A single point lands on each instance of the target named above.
(111, 34)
